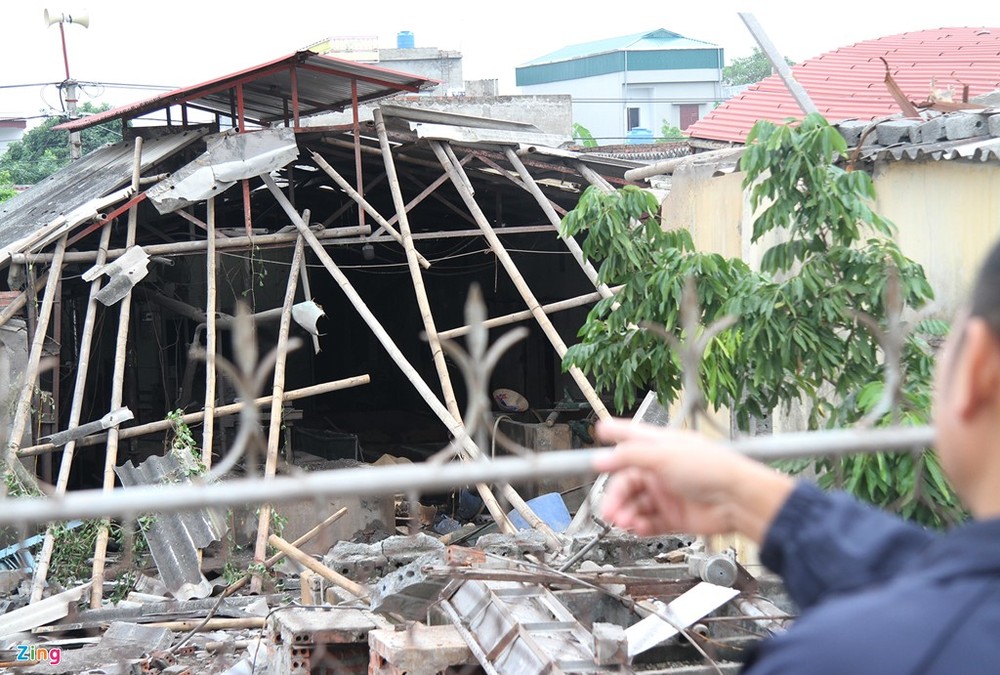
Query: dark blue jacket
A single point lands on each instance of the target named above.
(879, 595)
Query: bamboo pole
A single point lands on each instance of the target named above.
(210, 338)
(550, 213)
(526, 314)
(117, 394)
(278, 557)
(319, 568)
(18, 303)
(22, 412)
(426, 192)
(594, 178)
(307, 293)
(454, 427)
(496, 245)
(211, 624)
(196, 417)
(76, 407)
(362, 202)
(184, 247)
(437, 354)
(274, 430)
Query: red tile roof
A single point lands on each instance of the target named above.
(848, 83)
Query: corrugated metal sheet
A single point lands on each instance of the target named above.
(94, 175)
(323, 83)
(174, 539)
(981, 149)
(656, 39)
(848, 83)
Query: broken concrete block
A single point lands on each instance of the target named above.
(407, 591)
(610, 644)
(402, 550)
(993, 125)
(851, 130)
(359, 562)
(931, 131)
(513, 545)
(622, 548)
(969, 125)
(895, 131)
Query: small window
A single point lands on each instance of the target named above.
(633, 118)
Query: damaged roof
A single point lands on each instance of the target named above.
(320, 83)
(848, 83)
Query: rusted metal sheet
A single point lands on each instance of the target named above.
(230, 158)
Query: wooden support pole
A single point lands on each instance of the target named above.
(439, 409)
(550, 213)
(278, 390)
(456, 172)
(438, 182)
(278, 557)
(22, 411)
(211, 624)
(196, 417)
(117, 394)
(594, 178)
(307, 293)
(211, 261)
(437, 354)
(18, 303)
(526, 314)
(76, 408)
(184, 247)
(319, 568)
(347, 205)
(368, 208)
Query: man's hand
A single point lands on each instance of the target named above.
(679, 481)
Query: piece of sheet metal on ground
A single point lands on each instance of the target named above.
(230, 157)
(691, 606)
(174, 539)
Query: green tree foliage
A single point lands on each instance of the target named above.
(670, 134)
(798, 337)
(749, 69)
(43, 150)
(582, 135)
(6, 186)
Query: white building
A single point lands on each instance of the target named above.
(10, 130)
(632, 82)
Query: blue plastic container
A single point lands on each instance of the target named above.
(405, 40)
(639, 136)
(550, 508)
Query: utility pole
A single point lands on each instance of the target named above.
(69, 85)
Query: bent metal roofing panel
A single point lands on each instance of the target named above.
(848, 83)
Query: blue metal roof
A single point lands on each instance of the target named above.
(659, 39)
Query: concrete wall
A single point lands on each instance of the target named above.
(438, 64)
(599, 102)
(551, 114)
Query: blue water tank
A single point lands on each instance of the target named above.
(639, 136)
(404, 40)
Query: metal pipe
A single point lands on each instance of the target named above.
(390, 480)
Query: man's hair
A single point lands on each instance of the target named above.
(986, 294)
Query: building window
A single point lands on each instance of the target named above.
(633, 118)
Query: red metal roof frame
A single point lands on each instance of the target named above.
(329, 88)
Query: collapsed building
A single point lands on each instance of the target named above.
(158, 285)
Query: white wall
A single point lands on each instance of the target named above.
(599, 102)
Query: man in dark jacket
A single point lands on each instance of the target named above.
(877, 594)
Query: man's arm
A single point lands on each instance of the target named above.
(678, 481)
(824, 543)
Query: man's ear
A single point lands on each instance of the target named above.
(977, 377)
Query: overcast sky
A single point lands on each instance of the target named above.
(185, 42)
